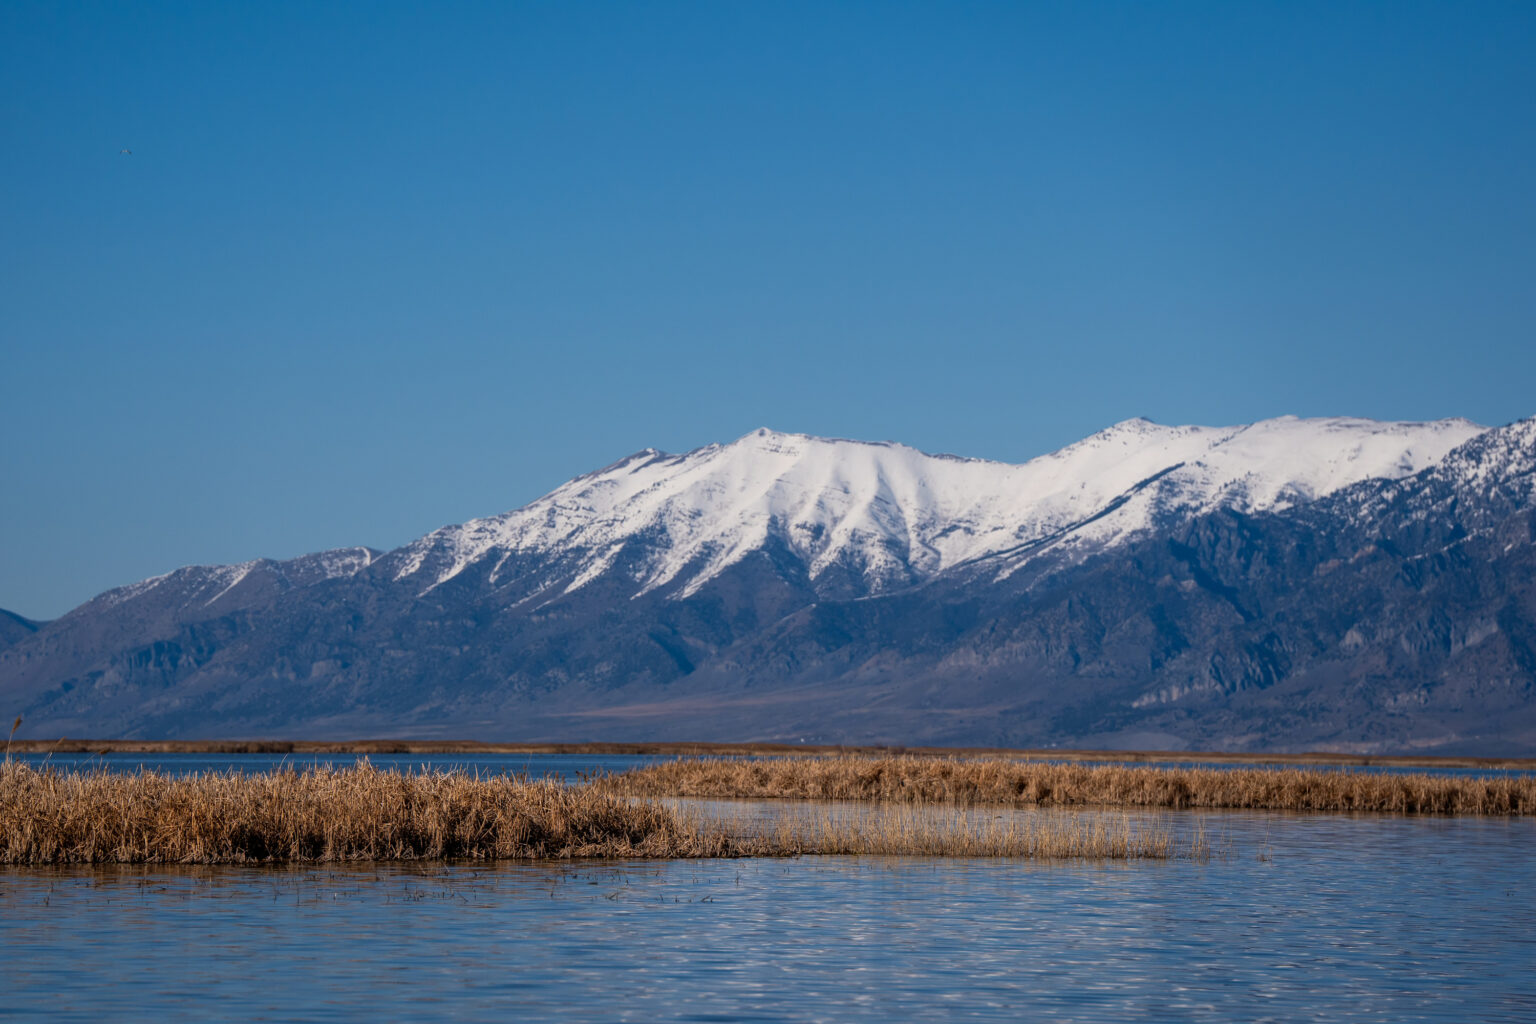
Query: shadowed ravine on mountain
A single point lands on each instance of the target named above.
(1291, 585)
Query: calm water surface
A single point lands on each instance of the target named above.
(1297, 917)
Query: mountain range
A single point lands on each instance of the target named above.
(1289, 584)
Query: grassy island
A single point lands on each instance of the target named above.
(1013, 783)
(886, 805)
(322, 815)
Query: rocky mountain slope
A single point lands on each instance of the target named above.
(1289, 584)
(13, 628)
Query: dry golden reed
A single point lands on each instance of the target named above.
(327, 814)
(916, 830)
(1023, 783)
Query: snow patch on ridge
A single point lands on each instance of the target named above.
(895, 514)
(206, 584)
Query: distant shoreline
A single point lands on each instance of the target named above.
(683, 749)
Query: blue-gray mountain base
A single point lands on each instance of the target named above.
(1287, 585)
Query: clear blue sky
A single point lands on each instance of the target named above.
(375, 268)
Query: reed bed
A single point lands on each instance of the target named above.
(52, 817)
(916, 830)
(326, 814)
(1011, 783)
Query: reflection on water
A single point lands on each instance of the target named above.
(1298, 917)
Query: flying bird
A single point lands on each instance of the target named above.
(126, 152)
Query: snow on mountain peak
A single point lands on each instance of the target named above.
(205, 585)
(893, 515)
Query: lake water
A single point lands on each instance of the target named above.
(1297, 917)
(563, 766)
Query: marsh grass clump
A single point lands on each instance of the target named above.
(324, 814)
(350, 814)
(1010, 783)
(920, 831)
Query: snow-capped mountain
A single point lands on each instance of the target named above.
(210, 584)
(895, 516)
(1289, 584)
